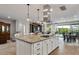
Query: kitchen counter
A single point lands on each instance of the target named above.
(36, 44)
(32, 38)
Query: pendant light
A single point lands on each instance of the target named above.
(38, 13)
(38, 16)
(28, 19)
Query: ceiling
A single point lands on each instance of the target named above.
(70, 14)
(19, 11)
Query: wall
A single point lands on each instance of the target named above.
(22, 26)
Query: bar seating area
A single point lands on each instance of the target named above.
(71, 37)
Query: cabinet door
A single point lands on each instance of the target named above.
(19, 47)
(54, 43)
(23, 48)
(49, 46)
(45, 47)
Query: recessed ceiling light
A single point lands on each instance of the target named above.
(51, 9)
(45, 10)
(48, 13)
(28, 19)
(9, 17)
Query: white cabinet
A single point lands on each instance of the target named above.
(22, 48)
(45, 47)
(55, 42)
(38, 48)
(49, 45)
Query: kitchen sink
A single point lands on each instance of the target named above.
(46, 36)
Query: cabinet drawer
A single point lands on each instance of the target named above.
(38, 54)
(38, 51)
(37, 45)
(38, 48)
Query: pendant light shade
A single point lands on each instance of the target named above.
(28, 19)
(38, 16)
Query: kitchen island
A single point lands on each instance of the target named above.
(36, 44)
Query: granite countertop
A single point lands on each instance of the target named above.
(31, 38)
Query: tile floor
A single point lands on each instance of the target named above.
(8, 48)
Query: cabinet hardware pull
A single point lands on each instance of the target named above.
(38, 49)
(38, 44)
(38, 54)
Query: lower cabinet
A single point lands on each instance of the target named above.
(39, 48)
(22, 48)
(49, 45)
(45, 47)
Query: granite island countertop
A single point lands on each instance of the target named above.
(31, 38)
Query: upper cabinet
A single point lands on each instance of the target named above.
(47, 25)
(47, 13)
